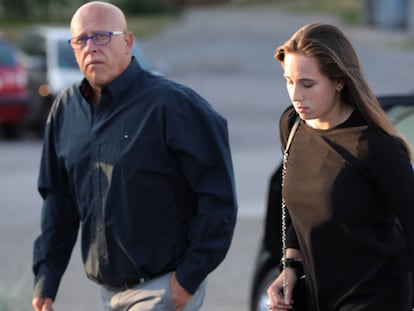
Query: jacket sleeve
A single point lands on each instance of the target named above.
(59, 223)
(392, 172)
(198, 137)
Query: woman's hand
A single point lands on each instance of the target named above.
(278, 301)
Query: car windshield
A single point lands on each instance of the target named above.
(66, 58)
(6, 56)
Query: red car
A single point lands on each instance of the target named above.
(13, 90)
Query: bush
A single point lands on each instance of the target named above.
(133, 7)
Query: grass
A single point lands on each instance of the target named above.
(146, 26)
(11, 295)
(350, 11)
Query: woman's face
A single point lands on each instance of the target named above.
(315, 97)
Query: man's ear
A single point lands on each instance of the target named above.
(129, 39)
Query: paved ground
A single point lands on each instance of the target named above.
(226, 54)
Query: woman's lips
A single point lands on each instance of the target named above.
(301, 109)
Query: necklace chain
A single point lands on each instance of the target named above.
(284, 212)
(284, 228)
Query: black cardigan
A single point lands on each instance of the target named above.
(349, 192)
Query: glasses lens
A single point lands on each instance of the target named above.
(78, 42)
(101, 38)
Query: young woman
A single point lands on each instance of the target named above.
(348, 186)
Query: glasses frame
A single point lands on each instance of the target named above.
(92, 37)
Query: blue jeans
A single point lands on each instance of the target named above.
(152, 295)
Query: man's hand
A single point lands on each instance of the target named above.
(179, 295)
(42, 304)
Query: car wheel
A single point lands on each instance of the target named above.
(260, 300)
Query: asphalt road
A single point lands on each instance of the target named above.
(225, 54)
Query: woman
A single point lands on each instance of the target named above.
(348, 185)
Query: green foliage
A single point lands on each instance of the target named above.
(133, 7)
(53, 10)
(62, 10)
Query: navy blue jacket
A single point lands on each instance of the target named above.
(147, 175)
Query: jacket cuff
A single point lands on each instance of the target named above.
(45, 285)
(190, 280)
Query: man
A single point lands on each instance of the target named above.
(143, 166)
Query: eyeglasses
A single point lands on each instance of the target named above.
(99, 38)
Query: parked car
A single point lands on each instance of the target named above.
(13, 90)
(400, 110)
(52, 66)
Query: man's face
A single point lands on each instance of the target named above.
(101, 63)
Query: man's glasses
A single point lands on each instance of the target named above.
(99, 38)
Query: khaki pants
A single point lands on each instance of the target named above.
(153, 295)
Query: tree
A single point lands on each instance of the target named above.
(49, 10)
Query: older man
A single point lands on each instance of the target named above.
(143, 166)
